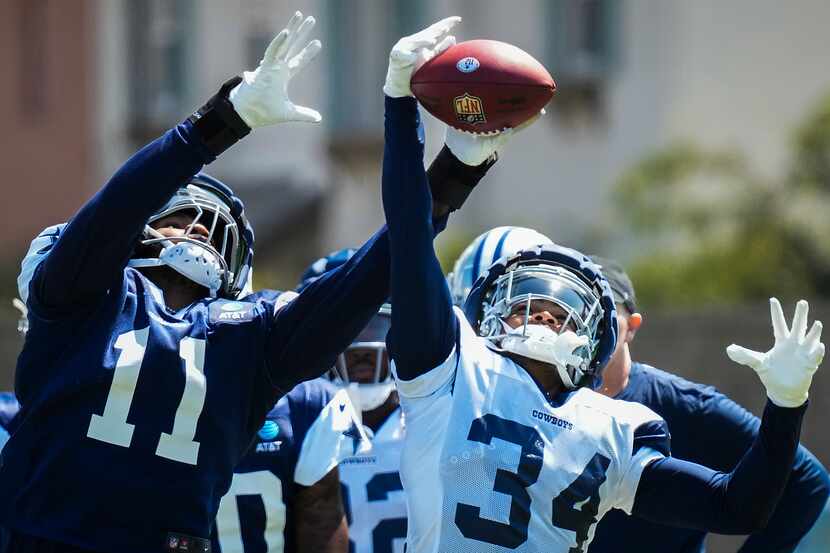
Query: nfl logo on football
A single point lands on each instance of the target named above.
(469, 109)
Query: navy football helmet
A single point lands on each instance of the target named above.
(223, 262)
(569, 280)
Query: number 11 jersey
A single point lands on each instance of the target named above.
(132, 393)
(490, 465)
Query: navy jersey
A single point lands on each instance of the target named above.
(134, 415)
(307, 433)
(710, 429)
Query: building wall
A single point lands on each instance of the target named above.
(45, 106)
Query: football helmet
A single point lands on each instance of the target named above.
(222, 263)
(486, 250)
(363, 368)
(587, 338)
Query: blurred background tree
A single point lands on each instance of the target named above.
(710, 230)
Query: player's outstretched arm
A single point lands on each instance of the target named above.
(734, 429)
(742, 501)
(423, 329)
(798, 510)
(94, 248)
(305, 335)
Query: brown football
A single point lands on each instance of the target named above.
(483, 86)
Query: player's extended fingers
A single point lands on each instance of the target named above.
(416, 43)
(291, 30)
(443, 27)
(19, 305)
(448, 41)
(814, 336)
(276, 46)
(816, 356)
(303, 114)
(779, 325)
(304, 57)
(300, 36)
(743, 356)
(799, 328)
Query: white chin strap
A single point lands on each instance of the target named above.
(366, 397)
(191, 260)
(541, 343)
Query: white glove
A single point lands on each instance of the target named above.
(475, 148)
(261, 98)
(787, 369)
(412, 51)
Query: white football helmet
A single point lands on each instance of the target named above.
(486, 250)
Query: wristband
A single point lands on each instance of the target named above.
(217, 123)
(451, 180)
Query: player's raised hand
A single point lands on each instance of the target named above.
(476, 148)
(787, 369)
(412, 51)
(261, 99)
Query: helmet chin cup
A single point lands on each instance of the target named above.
(191, 258)
(196, 263)
(366, 397)
(541, 343)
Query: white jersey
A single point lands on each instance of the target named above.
(373, 494)
(490, 465)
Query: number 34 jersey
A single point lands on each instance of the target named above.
(490, 465)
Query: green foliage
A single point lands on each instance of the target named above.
(812, 149)
(715, 232)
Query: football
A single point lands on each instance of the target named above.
(483, 86)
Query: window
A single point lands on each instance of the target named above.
(159, 73)
(360, 36)
(582, 38)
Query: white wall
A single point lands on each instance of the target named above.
(724, 74)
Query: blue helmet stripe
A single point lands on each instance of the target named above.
(477, 260)
(500, 246)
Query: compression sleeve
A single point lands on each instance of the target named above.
(733, 428)
(680, 493)
(423, 325)
(94, 248)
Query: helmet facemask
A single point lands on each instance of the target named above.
(572, 347)
(213, 261)
(371, 342)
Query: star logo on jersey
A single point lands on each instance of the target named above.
(353, 432)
